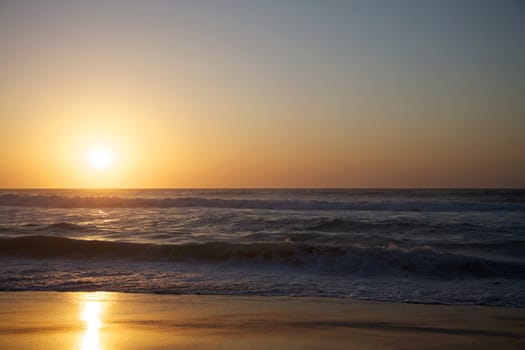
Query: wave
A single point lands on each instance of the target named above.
(348, 225)
(63, 226)
(389, 260)
(507, 248)
(57, 201)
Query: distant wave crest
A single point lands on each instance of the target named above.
(56, 201)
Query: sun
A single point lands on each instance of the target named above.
(100, 158)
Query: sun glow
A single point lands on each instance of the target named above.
(100, 159)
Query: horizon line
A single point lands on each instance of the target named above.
(260, 188)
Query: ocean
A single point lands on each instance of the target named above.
(421, 246)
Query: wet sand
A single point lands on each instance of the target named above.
(96, 321)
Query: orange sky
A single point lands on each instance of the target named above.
(262, 94)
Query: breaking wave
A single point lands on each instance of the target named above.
(389, 260)
(57, 201)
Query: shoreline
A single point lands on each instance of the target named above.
(269, 296)
(110, 320)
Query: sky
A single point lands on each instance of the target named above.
(262, 94)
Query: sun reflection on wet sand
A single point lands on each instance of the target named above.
(92, 312)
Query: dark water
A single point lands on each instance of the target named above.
(431, 246)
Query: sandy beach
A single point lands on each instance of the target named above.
(99, 320)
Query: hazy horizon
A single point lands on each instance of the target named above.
(258, 188)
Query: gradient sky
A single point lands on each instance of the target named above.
(263, 93)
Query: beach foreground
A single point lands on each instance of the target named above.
(99, 320)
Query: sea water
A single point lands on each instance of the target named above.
(427, 246)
